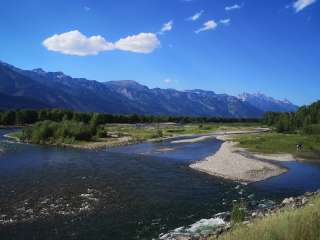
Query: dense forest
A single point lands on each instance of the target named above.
(305, 120)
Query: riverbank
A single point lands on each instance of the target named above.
(281, 143)
(293, 218)
(12, 136)
(296, 217)
(121, 135)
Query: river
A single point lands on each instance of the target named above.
(131, 192)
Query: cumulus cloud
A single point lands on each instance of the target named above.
(167, 27)
(210, 25)
(196, 16)
(225, 21)
(141, 43)
(299, 5)
(233, 7)
(76, 43)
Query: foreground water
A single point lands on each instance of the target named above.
(133, 192)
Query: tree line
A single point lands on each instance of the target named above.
(305, 120)
(30, 116)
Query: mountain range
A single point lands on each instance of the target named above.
(40, 89)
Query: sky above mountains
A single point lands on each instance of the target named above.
(227, 46)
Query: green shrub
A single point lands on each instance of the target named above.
(62, 132)
(102, 133)
(159, 133)
(238, 212)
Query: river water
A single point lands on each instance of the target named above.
(132, 192)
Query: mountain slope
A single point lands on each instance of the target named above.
(268, 104)
(11, 102)
(173, 102)
(56, 89)
(13, 83)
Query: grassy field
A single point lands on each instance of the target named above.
(298, 224)
(282, 143)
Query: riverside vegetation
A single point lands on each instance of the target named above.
(92, 130)
(301, 127)
(59, 126)
(295, 219)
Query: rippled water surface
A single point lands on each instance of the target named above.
(132, 192)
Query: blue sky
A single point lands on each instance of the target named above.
(229, 46)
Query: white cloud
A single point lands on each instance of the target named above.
(210, 25)
(196, 16)
(225, 21)
(299, 5)
(167, 27)
(86, 8)
(76, 43)
(233, 7)
(141, 43)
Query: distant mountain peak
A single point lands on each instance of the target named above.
(244, 96)
(266, 103)
(39, 71)
(200, 91)
(127, 96)
(60, 75)
(56, 75)
(127, 84)
(124, 82)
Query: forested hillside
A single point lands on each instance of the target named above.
(306, 120)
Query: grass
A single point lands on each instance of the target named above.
(281, 143)
(153, 131)
(297, 224)
(238, 212)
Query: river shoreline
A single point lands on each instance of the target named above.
(125, 141)
(237, 164)
(221, 223)
(229, 162)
